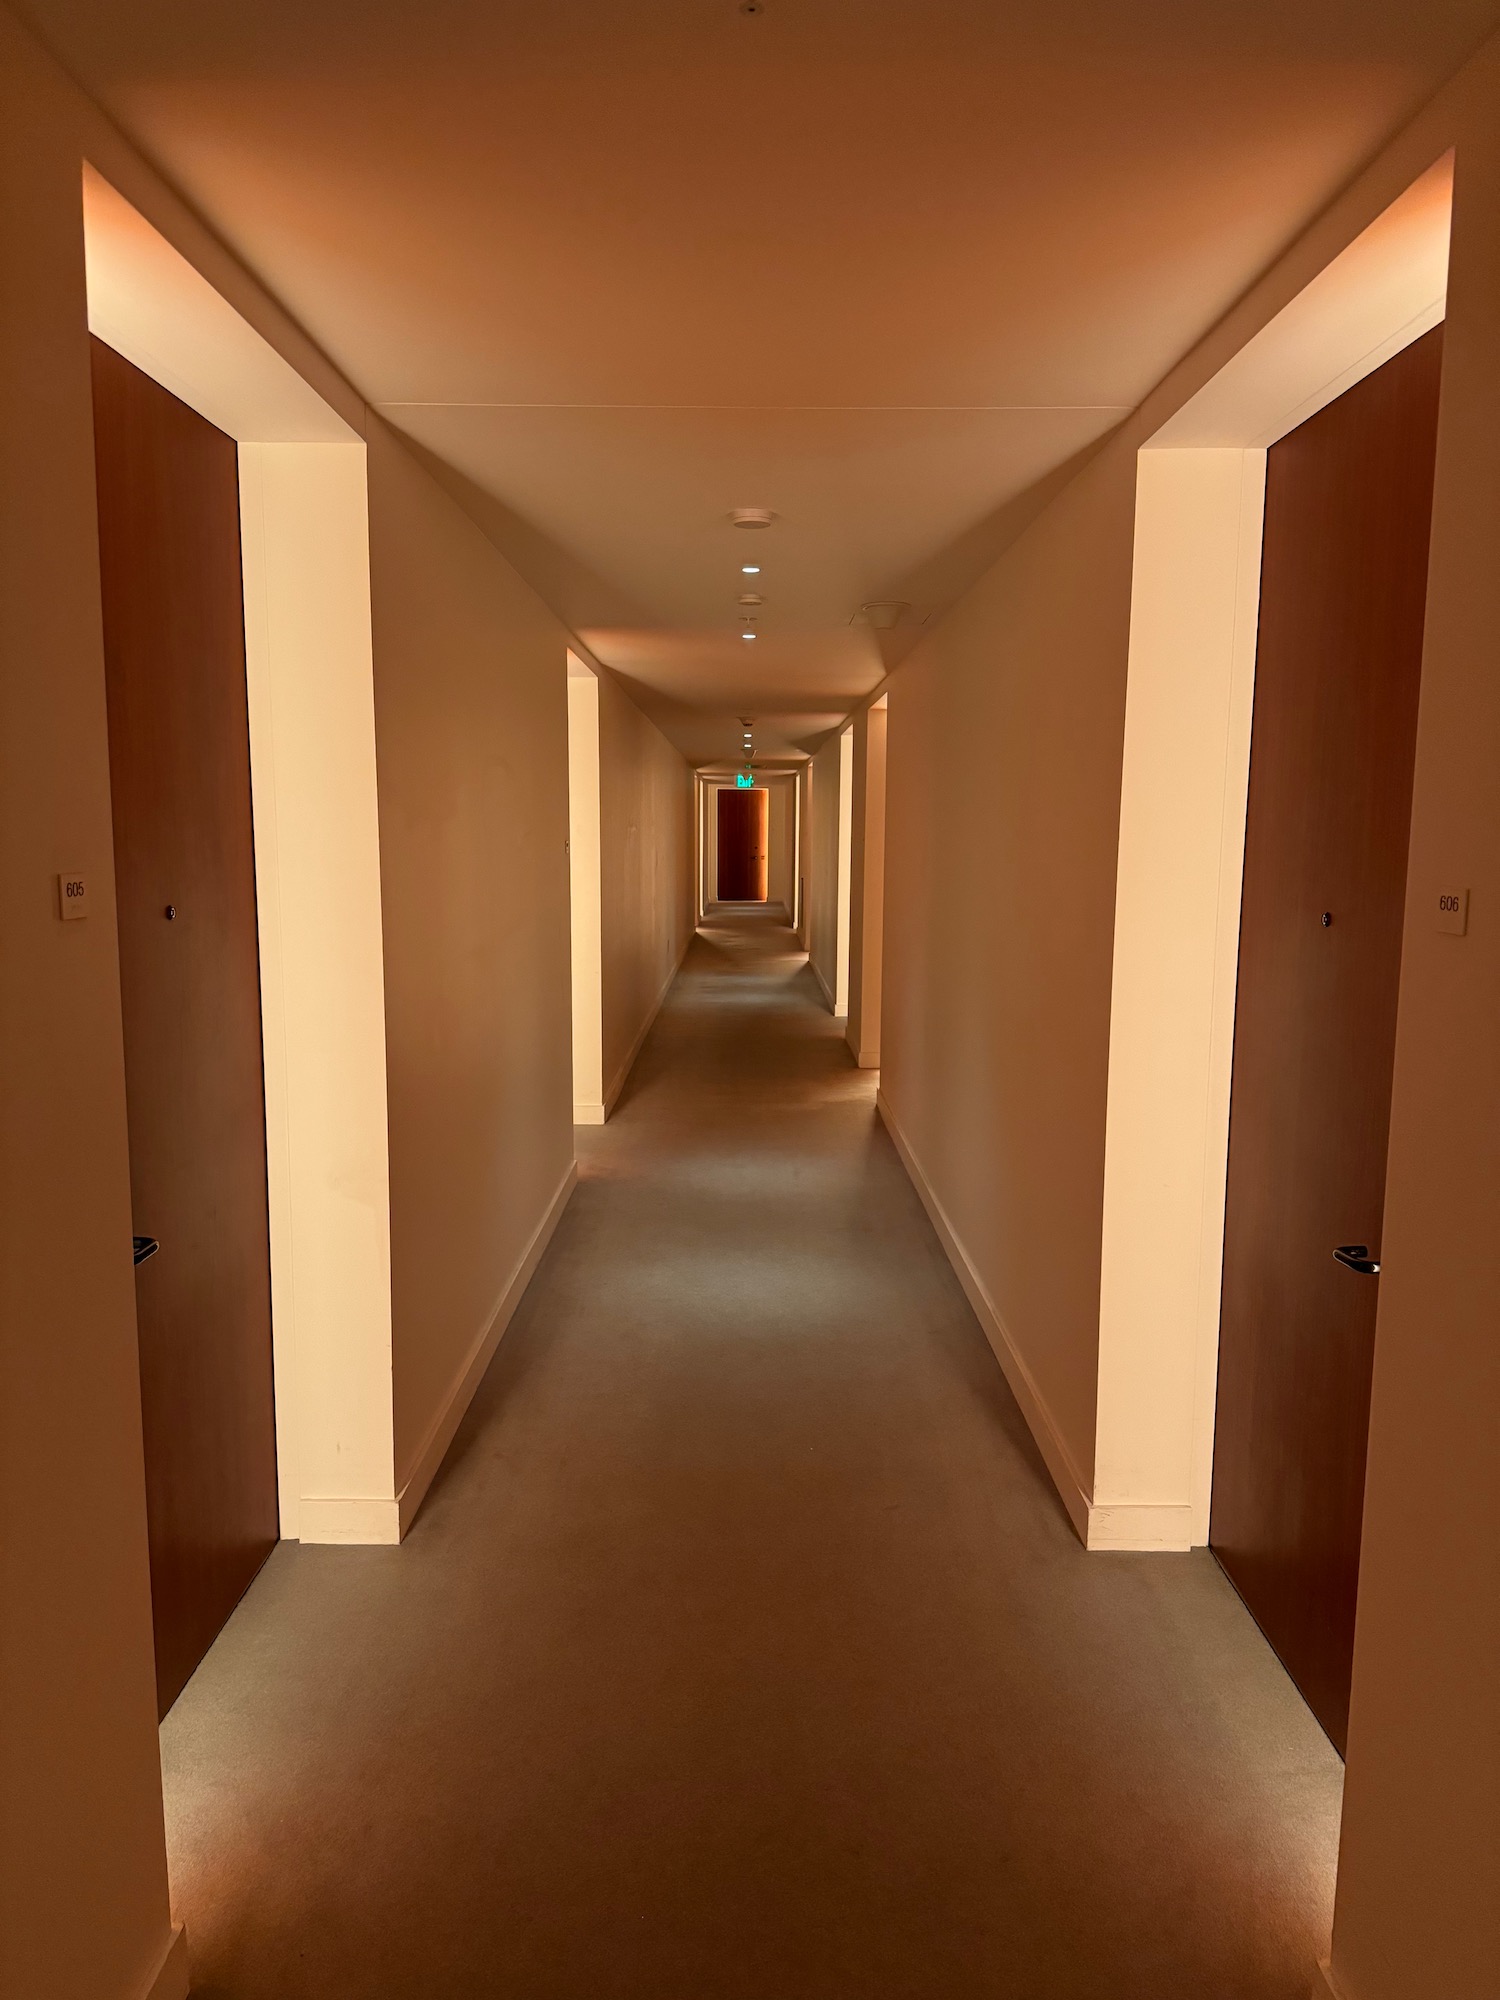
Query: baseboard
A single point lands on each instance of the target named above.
(450, 1415)
(1326, 1987)
(622, 1074)
(589, 1114)
(347, 1520)
(169, 1979)
(866, 1058)
(822, 985)
(1055, 1454)
(1140, 1525)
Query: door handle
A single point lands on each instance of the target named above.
(144, 1247)
(1356, 1257)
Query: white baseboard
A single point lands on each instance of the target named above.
(622, 1074)
(866, 1058)
(1148, 1527)
(450, 1415)
(589, 1114)
(823, 986)
(1055, 1453)
(1141, 1525)
(168, 1979)
(349, 1520)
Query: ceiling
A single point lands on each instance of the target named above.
(886, 269)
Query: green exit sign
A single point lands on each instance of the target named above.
(744, 781)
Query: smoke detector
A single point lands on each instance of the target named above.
(752, 517)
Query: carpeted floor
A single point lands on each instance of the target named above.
(742, 1650)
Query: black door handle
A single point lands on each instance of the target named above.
(144, 1247)
(1356, 1256)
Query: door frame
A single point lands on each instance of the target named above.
(1189, 694)
(310, 685)
(777, 783)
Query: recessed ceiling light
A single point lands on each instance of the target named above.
(750, 569)
(752, 517)
(747, 635)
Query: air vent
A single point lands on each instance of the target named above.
(881, 616)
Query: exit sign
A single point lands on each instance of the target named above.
(744, 781)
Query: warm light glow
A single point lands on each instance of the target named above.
(747, 635)
(750, 569)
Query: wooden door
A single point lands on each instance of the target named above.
(179, 760)
(743, 822)
(1344, 577)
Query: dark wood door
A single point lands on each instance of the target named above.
(743, 821)
(1343, 587)
(179, 755)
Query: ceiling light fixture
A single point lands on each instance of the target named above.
(750, 569)
(747, 635)
(752, 517)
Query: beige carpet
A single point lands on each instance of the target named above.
(742, 1651)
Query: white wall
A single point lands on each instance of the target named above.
(304, 513)
(471, 731)
(584, 892)
(1002, 818)
(845, 870)
(822, 871)
(781, 841)
(805, 820)
(1186, 754)
(867, 883)
(646, 887)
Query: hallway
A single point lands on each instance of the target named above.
(743, 1648)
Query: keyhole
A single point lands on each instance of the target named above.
(1327, 918)
(171, 912)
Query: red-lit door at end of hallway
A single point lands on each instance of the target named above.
(1343, 589)
(179, 763)
(742, 835)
